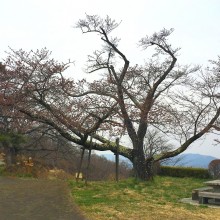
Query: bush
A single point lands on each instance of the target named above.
(2, 169)
(184, 172)
(214, 169)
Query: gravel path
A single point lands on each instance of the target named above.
(22, 199)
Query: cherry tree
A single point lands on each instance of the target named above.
(125, 100)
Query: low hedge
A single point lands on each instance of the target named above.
(184, 172)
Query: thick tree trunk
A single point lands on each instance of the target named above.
(143, 168)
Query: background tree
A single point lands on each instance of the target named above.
(156, 143)
(124, 100)
(11, 126)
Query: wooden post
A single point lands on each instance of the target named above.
(116, 160)
(88, 164)
(80, 164)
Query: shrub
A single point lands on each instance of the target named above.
(2, 169)
(214, 168)
(184, 172)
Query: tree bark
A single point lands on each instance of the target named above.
(139, 164)
(143, 167)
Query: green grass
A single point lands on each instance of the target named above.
(170, 189)
(131, 198)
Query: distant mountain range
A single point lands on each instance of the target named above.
(184, 160)
(111, 157)
(190, 160)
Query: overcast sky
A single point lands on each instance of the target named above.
(33, 24)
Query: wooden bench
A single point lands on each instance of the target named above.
(195, 192)
(205, 196)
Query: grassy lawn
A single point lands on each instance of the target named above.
(132, 199)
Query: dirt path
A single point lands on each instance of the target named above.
(22, 199)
